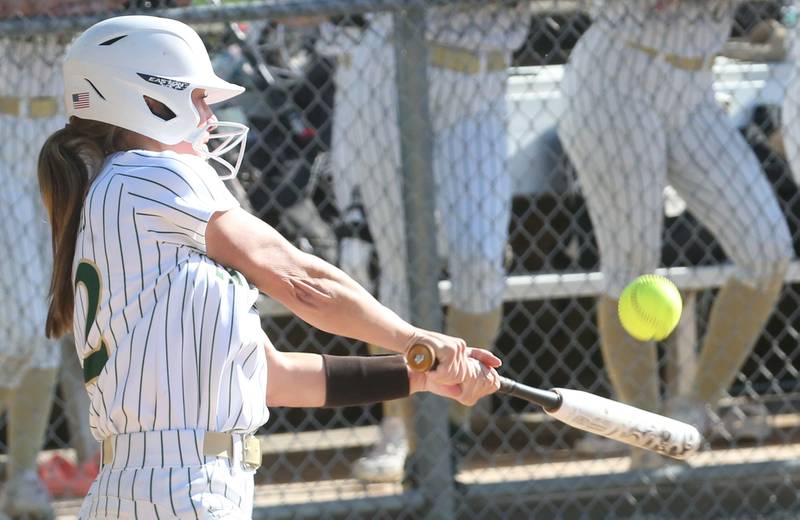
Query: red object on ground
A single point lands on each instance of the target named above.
(87, 472)
(63, 479)
(56, 474)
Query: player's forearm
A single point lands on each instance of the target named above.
(315, 290)
(327, 298)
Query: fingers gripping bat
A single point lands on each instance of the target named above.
(592, 413)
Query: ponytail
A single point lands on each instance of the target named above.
(68, 162)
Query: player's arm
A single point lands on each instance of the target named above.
(320, 293)
(310, 380)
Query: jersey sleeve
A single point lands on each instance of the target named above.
(174, 200)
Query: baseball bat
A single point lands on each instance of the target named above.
(592, 413)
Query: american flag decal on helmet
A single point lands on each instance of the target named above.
(80, 100)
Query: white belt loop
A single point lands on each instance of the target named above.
(238, 450)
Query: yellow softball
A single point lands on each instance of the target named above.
(650, 307)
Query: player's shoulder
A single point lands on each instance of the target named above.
(150, 160)
(167, 168)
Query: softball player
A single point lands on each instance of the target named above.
(29, 111)
(153, 261)
(469, 51)
(640, 114)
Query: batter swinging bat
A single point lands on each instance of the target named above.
(593, 413)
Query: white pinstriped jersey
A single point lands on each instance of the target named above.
(692, 28)
(169, 339)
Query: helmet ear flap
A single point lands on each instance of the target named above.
(159, 109)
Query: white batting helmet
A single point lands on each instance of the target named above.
(116, 63)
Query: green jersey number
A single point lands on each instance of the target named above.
(88, 275)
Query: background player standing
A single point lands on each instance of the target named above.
(30, 109)
(640, 114)
(29, 363)
(152, 263)
(469, 52)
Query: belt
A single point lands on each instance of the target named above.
(37, 107)
(676, 60)
(179, 448)
(466, 61)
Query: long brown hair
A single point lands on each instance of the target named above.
(68, 162)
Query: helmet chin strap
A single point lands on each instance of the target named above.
(231, 135)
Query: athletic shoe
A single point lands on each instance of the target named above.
(386, 460)
(25, 497)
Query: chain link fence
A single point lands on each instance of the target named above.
(527, 159)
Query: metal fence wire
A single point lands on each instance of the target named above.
(499, 171)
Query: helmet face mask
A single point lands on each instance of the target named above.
(114, 66)
(232, 134)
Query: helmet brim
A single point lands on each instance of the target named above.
(217, 89)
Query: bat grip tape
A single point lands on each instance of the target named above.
(361, 380)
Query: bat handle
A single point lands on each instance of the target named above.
(547, 399)
(421, 358)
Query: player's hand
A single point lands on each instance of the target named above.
(452, 356)
(482, 379)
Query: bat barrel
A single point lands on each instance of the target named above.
(627, 424)
(547, 399)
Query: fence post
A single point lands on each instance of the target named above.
(430, 461)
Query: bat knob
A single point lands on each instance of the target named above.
(420, 358)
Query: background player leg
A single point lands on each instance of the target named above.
(790, 123)
(620, 158)
(27, 372)
(478, 330)
(718, 175)
(29, 410)
(474, 205)
(623, 354)
(381, 189)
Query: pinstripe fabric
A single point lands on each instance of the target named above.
(790, 116)
(210, 491)
(185, 345)
(468, 111)
(683, 27)
(634, 123)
